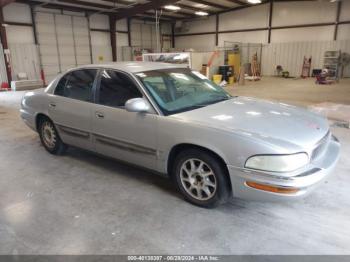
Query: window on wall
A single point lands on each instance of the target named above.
(77, 84)
(116, 88)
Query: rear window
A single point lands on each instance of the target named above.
(77, 84)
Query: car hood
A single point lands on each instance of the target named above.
(265, 119)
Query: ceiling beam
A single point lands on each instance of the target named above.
(149, 18)
(194, 9)
(141, 8)
(60, 6)
(215, 5)
(238, 2)
(85, 4)
(149, 14)
(169, 12)
(5, 2)
(117, 2)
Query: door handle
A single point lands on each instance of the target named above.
(52, 104)
(99, 115)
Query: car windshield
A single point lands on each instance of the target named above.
(181, 89)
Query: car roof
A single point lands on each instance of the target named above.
(134, 66)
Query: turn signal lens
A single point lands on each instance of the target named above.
(279, 190)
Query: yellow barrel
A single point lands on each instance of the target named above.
(217, 79)
(235, 61)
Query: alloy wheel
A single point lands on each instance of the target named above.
(198, 179)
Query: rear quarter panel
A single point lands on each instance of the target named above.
(33, 103)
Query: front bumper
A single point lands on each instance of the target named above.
(303, 181)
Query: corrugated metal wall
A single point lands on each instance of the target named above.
(3, 74)
(25, 58)
(63, 41)
(290, 55)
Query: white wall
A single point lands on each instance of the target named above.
(98, 21)
(290, 55)
(20, 34)
(196, 42)
(253, 17)
(345, 11)
(201, 25)
(244, 37)
(284, 14)
(122, 25)
(122, 40)
(343, 32)
(291, 13)
(11, 13)
(322, 33)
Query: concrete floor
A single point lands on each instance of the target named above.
(84, 204)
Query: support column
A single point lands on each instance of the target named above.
(112, 31)
(217, 29)
(270, 21)
(337, 21)
(3, 38)
(173, 35)
(129, 31)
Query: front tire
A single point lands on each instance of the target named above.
(201, 178)
(49, 137)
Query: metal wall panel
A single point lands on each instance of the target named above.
(81, 39)
(200, 25)
(101, 47)
(25, 59)
(253, 17)
(197, 42)
(64, 42)
(122, 40)
(143, 35)
(308, 12)
(3, 74)
(46, 31)
(290, 55)
(17, 12)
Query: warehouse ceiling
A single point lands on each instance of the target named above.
(186, 9)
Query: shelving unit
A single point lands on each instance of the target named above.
(331, 61)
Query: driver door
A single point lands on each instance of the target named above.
(128, 136)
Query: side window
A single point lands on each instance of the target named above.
(61, 85)
(116, 88)
(77, 84)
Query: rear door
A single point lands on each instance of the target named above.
(124, 135)
(71, 107)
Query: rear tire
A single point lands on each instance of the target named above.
(49, 137)
(201, 177)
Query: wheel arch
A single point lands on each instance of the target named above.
(38, 118)
(176, 149)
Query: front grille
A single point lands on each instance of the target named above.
(320, 146)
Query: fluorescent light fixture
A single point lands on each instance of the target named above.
(172, 7)
(201, 13)
(200, 6)
(254, 1)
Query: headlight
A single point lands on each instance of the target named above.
(278, 163)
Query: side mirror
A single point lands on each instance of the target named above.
(136, 105)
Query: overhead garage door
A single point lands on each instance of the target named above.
(63, 42)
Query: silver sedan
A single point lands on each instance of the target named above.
(176, 122)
